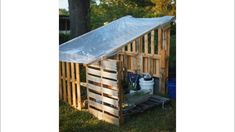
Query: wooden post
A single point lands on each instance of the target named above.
(73, 85)
(139, 56)
(101, 82)
(68, 83)
(64, 82)
(152, 42)
(159, 40)
(120, 91)
(79, 106)
(129, 47)
(60, 85)
(134, 46)
(146, 43)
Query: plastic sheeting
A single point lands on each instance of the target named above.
(107, 40)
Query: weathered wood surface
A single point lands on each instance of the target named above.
(104, 91)
(69, 78)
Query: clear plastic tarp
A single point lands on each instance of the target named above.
(107, 40)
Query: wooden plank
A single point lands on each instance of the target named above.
(111, 92)
(159, 40)
(64, 82)
(68, 83)
(145, 64)
(94, 87)
(152, 56)
(140, 45)
(93, 78)
(120, 92)
(163, 58)
(168, 41)
(109, 75)
(60, 83)
(105, 81)
(140, 63)
(134, 46)
(151, 66)
(157, 68)
(79, 100)
(123, 49)
(104, 116)
(104, 108)
(152, 42)
(110, 82)
(164, 40)
(104, 99)
(87, 90)
(93, 71)
(99, 89)
(104, 73)
(109, 65)
(95, 104)
(73, 85)
(129, 47)
(146, 43)
(94, 65)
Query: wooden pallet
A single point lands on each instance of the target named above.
(104, 91)
(153, 101)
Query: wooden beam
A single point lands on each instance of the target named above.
(79, 98)
(64, 82)
(68, 83)
(73, 85)
(134, 46)
(152, 42)
(129, 47)
(159, 40)
(60, 83)
(146, 43)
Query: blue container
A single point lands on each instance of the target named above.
(172, 88)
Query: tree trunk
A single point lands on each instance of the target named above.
(79, 17)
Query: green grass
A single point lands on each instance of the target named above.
(153, 120)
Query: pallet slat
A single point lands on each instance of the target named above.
(60, 83)
(99, 89)
(73, 85)
(152, 42)
(105, 81)
(103, 99)
(104, 108)
(104, 116)
(68, 83)
(79, 100)
(104, 73)
(146, 44)
(64, 82)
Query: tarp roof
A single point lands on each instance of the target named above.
(107, 40)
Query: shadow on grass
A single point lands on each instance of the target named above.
(153, 120)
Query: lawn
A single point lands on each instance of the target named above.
(154, 120)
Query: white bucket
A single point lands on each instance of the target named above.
(146, 85)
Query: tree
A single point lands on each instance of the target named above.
(164, 7)
(63, 12)
(79, 17)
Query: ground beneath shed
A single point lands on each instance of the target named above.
(154, 120)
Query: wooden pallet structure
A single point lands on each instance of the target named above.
(153, 101)
(148, 53)
(104, 91)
